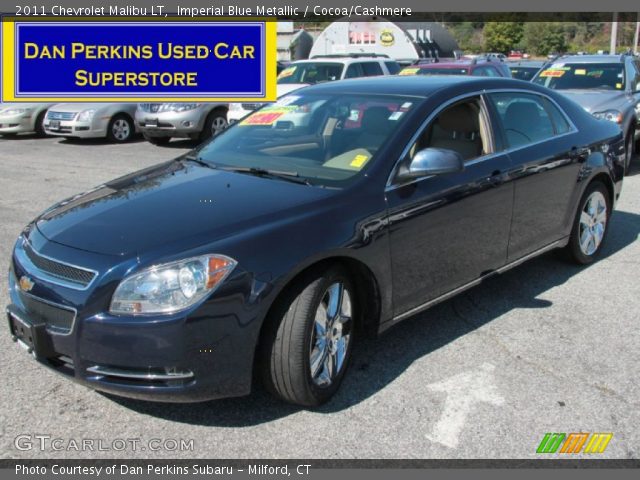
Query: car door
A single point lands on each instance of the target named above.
(447, 230)
(540, 141)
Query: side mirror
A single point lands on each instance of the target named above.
(432, 161)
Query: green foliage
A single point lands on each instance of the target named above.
(543, 38)
(502, 36)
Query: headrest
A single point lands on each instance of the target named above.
(459, 118)
(521, 113)
(376, 119)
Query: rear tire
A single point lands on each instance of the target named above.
(306, 349)
(120, 129)
(590, 225)
(157, 140)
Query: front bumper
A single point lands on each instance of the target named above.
(96, 128)
(195, 356)
(16, 124)
(170, 124)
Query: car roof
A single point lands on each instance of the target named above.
(416, 86)
(331, 59)
(525, 63)
(589, 59)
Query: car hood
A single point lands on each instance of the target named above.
(24, 105)
(598, 100)
(78, 107)
(173, 203)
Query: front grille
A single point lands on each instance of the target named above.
(59, 270)
(251, 106)
(149, 107)
(61, 115)
(56, 318)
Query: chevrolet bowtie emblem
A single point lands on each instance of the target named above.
(26, 284)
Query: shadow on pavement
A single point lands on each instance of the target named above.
(379, 361)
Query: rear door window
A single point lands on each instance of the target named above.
(371, 69)
(524, 118)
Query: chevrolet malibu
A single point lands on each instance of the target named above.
(273, 247)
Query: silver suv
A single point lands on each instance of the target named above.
(607, 86)
(159, 122)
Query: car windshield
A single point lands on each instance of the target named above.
(311, 72)
(524, 73)
(435, 71)
(325, 140)
(582, 76)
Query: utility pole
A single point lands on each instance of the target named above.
(636, 37)
(614, 34)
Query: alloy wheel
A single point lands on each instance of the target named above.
(593, 223)
(331, 335)
(218, 125)
(121, 129)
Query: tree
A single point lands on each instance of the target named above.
(502, 36)
(543, 38)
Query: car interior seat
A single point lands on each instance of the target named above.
(458, 129)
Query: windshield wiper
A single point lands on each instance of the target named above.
(198, 160)
(293, 177)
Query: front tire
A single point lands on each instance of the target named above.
(307, 349)
(120, 129)
(215, 123)
(39, 126)
(590, 225)
(629, 144)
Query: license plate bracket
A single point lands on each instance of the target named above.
(31, 336)
(151, 122)
(54, 124)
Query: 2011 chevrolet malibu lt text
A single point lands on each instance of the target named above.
(339, 210)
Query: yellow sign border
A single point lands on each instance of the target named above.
(8, 61)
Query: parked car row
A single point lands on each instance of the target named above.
(607, 86)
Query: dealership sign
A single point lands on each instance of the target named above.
(138, 61)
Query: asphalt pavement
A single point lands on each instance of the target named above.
(546, 347)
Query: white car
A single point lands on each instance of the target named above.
(322, 68)
(113, 121)
(238, 111)
(22, 118)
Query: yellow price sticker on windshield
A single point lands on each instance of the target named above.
(552, 73)
(409, 71)
(266, 117)
(580, 71)
(359, 160)
(287, 72)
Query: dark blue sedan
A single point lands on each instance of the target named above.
(341, 209)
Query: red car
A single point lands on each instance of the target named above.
(475, 67)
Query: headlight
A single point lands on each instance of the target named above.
(171, 287)
(610, 115)
(178, 107)
(14, 111)
(86, 115)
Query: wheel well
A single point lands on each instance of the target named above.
(124, 114)
(367, 292)
(219, 109)
(604, 178)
